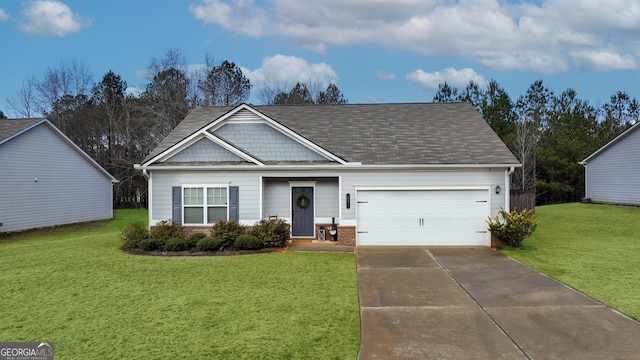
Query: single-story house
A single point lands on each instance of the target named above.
(384, 174)
(47, 180)
(612, 172)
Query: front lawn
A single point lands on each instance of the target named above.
(592, 248)
(73, 286)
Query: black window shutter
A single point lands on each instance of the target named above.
(234, 200)
(177, 204)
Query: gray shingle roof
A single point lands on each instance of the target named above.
(9, 128)
(377, 134)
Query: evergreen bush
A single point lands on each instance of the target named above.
(227, 232)
(192, 240)
(151, 244)
(247, 242)
(273, 233)
(166, 230)
(133, 235)
(209, 244)
(176, 244)
(512, 227)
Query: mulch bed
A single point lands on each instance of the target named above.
(194, 252)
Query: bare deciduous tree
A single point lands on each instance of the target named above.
(23, 102)
(66, 79)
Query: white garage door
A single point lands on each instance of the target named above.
(399, 217)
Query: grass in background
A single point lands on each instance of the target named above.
(73, 286)
(592, 248)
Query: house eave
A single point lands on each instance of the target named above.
(610, 144)
(323, 167)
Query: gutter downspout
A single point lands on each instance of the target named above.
(507, 188)
(146, 174)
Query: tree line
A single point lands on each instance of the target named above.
(548, 133)
(119, 129)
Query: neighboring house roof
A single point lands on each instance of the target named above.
(12, 128)
(373, 134)
(615, 140)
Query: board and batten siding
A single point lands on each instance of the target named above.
(612, 176)
(273, 186)
(68, 189)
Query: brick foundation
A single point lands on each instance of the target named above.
(346, 234)
(497, 243)
(190, 230)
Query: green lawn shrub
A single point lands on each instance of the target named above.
(512, 227)
(209, 244)
(151, 244)
(273, 233)
(133, 235)
(166, 230)
(227, 232)
(192, 240)
(176, 244)
(247, 242)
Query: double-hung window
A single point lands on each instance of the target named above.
(205, 204)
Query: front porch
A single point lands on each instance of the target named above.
(309, 204)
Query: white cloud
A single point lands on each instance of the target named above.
(134, 91)
(383, 75)
(604, 60)
(283, 72)
(3, 15)
(542, 36)
(457, 78)
(51, 18)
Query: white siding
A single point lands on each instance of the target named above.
(613, 175)
(68, 188)
(275, 195)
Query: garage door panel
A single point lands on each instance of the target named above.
(400, 217)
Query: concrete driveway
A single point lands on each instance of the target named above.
(474, 303)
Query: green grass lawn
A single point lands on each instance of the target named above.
(73, 286)
(592, 248)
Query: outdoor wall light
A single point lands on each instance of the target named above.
(348, 201)
(498, 189)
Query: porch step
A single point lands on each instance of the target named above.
(301, 241)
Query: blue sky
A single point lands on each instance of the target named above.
(376, 51)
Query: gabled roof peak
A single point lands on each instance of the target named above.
(373, 134)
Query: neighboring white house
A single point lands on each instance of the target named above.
(46, 180)
(612, 173)
(386, 174)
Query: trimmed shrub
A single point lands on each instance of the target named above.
(151, 244)
(247, 242)
(176, 244)
(166, 230)
(227, 232)
(273, 233)
(133, 235)
(192, 240)
(514, 226)
(209, 244)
